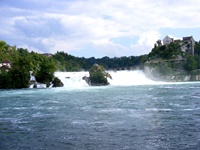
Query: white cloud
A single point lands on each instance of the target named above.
(73, 25)
(145, 43)
(108, 48)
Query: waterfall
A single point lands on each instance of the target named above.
(119, 78)
(72, 79)
(32, 78)
(128, 78)
(35, 83)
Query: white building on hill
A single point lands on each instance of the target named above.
(167, 40)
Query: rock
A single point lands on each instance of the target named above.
(57, 82)
(87, 80)
(98, 76)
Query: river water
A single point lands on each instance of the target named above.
(147, 116)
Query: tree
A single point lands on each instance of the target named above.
(159, 43)
(46, 72)
(172, 51)
(5, 80)
(19, 73)
(197, 48)
(191, 64)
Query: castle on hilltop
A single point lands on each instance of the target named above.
(187, 43)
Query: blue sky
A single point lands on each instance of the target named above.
(96, 28)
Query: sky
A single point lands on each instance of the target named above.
(96, 28)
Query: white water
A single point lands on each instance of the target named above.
(128, 78)
(72, 79)
(119, 78)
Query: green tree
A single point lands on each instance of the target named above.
(19, 73)
(5, 80)
(46, 72)
(191, 64)
(197, 48)
(197, 59)
(172, 51)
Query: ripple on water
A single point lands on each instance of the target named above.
(158, 109)
(96, 123)
(112, 110)
(191, 109)
(14, 124)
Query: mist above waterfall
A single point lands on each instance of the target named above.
(128, 78)
(119, 78)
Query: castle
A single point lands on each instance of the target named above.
(187, 43)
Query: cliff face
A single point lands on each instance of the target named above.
(170, 75)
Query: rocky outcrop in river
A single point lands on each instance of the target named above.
(98, 76)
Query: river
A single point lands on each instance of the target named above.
(134, 114)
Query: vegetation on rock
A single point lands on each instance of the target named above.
(171, 51)
(98, 75)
